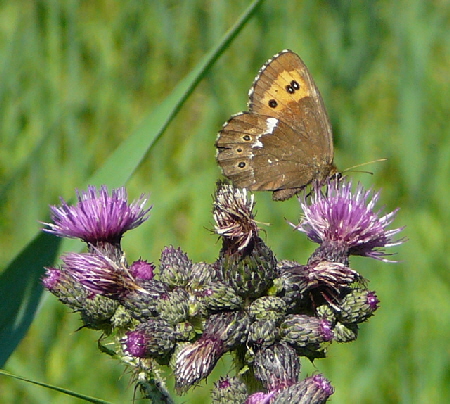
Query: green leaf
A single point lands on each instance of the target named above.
(49, 386)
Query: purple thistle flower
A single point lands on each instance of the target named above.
(99, 274)
(98, 216)
(135, 344)
(345, 221)
(142, 270)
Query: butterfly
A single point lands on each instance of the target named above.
(284, 141)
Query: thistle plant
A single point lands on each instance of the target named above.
(267, 313)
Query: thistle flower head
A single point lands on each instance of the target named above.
(175, 266)
(196, 361)
(155, 338)
(268, 312)
(277, 367)
(64, 287)
(309, 285)
(222, 333)
(322, 275)
(99, 274)
(143, 270)
(346, 220)
(300, 330)
(233, 214)
(312, 390)
(96, 311)
(98, 216)
(357, 306)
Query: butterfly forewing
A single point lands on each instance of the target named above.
(272, 83)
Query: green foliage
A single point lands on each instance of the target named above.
(79, 78)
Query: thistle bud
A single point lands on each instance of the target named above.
(301, 330)
(175, 267)
(193, 362)
(268, 308)
(98, 311)
(289, 283)
(99, 274)
(217, 296)
(357, 306)
(306, 334)
(64, 287)
(312, 390)
(223, 332)
(229, 390)
(202, 273)
(153, 339)
(142, 302)
(277, 366)
(316, 282)
(230, 327)
(142, 270)
(262, 333)
(250, 272)
(174, 306)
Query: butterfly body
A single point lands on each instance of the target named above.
(284, 142)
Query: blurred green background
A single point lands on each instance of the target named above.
(78, 77)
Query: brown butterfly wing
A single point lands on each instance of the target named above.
(234, 148)
(271, 94)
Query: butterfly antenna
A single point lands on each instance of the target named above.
(363, 164)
